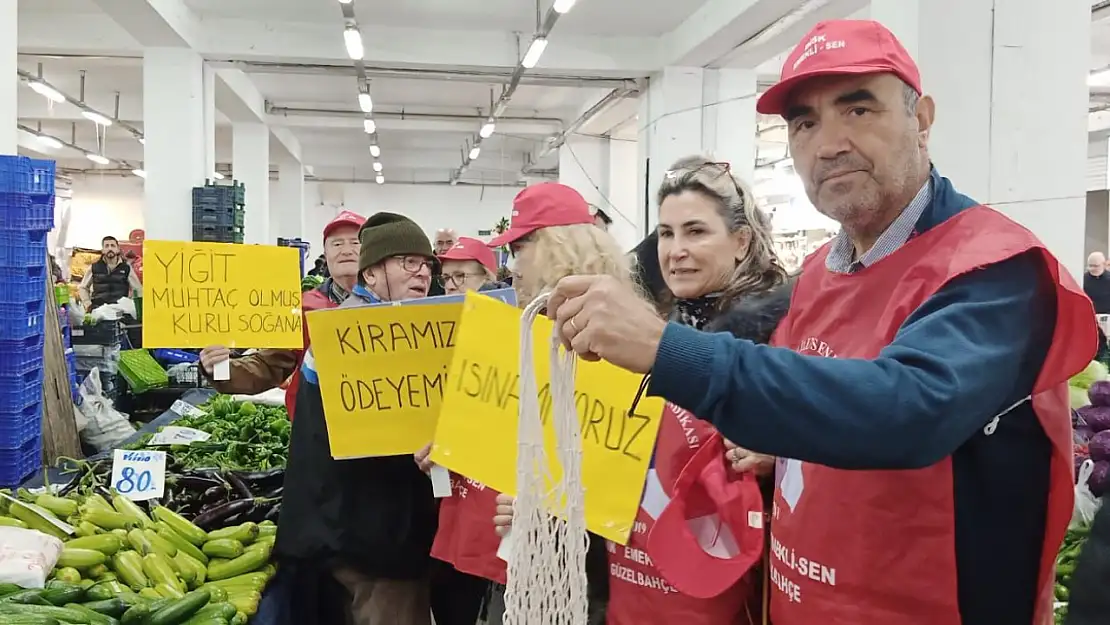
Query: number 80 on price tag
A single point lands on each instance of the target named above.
(139, 474)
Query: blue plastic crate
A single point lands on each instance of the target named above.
(18, 393)
(15, 174)
(17, 465)
(23, 211)
(23, 248)
(42, 179)
(33, 273)
(17, 358)
(16, 312)
(12, 329)
(19, 427)
(21, 291)
(221, 216)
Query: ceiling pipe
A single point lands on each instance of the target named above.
(285, 111)
(80, 102)
(554, 142)
(72, 145)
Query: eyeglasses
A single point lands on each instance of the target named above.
(459, 278)
(414, 264)
(721, 169)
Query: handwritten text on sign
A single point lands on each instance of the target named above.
(476, 434)
(201, 294)
(139, 474)
(382, 374)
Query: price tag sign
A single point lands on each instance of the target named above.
(185, 409)
(139, 474)
(174, 435)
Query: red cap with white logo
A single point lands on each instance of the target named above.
(542, 206)
(836, 48)
(471, 249)
(345, 218)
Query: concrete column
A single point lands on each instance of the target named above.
(287, 210)
(209, 121)
(174, 154)
(250, 162)
(692, 111)
(1010, 81)
(629, 220)
(9, 96)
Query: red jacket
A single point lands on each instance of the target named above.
(316, 299)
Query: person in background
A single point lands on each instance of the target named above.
(270, 368)
(356, 534)
(1096, 284)
(916, 391)
(469, 266)
(601, 218)
(446, 238)
(109, 279)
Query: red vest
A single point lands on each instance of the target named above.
(466, 538)
(310, 300)
(638, 592)
(879, 546)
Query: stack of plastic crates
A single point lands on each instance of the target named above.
(218, 213)
(97, 347)
(26, 215)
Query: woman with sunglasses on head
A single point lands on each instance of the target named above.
(720, 271)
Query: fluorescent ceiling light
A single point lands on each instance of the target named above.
(377, 166)
(380, 179)
(46, 91)
(365, 103)
(1099, 77)
(369, 126)
(217, 175)
(474, 152)
(138, 172)
(352, 39)
(562, 6)
(487, 130)
(344, 1)
(142, 140)
(49, 141)
(96, 158)
(375, 151)
(535, 51)
(96, 118)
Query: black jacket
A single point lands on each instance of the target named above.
(1089, 602)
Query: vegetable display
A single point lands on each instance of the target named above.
(1065, 565)
(128, 566)
(1092, 436)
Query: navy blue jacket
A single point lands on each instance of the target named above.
(969, 352)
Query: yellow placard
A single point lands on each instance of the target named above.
(382, 372)
(201, 294)
(477, 431)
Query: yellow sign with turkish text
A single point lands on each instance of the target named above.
(382, 372)
(477, 431)
(240, 296)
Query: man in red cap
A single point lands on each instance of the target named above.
(916, 394)
(270, 368)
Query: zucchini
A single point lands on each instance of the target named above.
(36, 521)
(160, 545)
(172, 537)
(212, 620)
(106, 519)
(244, 533)
(181, 525)
(267, 530)
(7, 521)
(223, 548)
(135, 615)
(180, 610)
(103, 591)
(61, 593)
(59, 506)
(239, 619)
(111, 607)
(67, 574)
(247, 602)
(218, 594)
(86, 583)
(131, 510)
(65, 615)
(129, 566)
(84, 528)
(159, 571)
(100, 572)
(121, 532)
(108, 544)
(80, 558)
(150, 593)
(183, 564)
(139, 542)
(248, 579)
(168, 591)
(97, 502)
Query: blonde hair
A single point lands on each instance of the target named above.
(760, 270)
(580, 249)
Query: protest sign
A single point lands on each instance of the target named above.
(201, 294)
(476, 434)
(382, 371)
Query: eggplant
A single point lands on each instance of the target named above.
(216, 515)
(273, 513)
(70, 487)
(196, 483)
(274, 494)
(239, 486)
(266, 479)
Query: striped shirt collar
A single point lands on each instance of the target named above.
(841, 258)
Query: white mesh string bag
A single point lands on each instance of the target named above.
(547, 562)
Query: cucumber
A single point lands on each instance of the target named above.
(94, 617)
(111, 607)
(81, 558)
(108, 544)
(28, 619)
(104, 590)
(223, 548)
(180, 610)
(135, 615)
(213, 610)
(7, 588)
(65, 615)
(31, 597)
(61, 593)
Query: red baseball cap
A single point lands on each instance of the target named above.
(706, 495)
(840, 47)
(471, 249)
(345, 218)
(542, 206)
